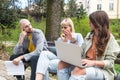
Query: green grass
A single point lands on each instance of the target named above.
(117, 68)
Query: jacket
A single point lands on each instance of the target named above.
(39, 42)
(111, 51)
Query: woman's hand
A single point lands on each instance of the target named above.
(87, 62)
(64, 38)
(67, 35)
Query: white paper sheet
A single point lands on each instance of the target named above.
(14, 69)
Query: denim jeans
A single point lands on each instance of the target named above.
(47, 62)
(92, 73)
(65, 73)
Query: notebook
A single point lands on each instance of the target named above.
(69, 53)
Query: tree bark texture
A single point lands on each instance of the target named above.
(54, 12)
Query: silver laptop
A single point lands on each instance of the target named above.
(69, 53)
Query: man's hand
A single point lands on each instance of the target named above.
(23, 34)
(16, 60)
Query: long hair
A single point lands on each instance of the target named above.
(100, 21)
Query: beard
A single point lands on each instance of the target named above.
(30, 30)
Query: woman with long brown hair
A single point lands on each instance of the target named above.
(99, 52)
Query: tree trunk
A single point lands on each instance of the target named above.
(54, 12)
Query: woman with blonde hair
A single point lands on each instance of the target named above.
(99, 51)
(51, 61)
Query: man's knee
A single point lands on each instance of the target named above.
(13, 56)
(34, 58)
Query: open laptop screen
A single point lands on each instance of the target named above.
(69, 53)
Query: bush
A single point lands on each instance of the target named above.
(81, 26)
(115, 27)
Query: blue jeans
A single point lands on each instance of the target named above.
(47, 62)
(92, 73)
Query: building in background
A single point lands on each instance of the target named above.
(112, 7)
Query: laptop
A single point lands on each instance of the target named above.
(69, 53)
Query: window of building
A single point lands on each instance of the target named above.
(111, 5)
(99, 6)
